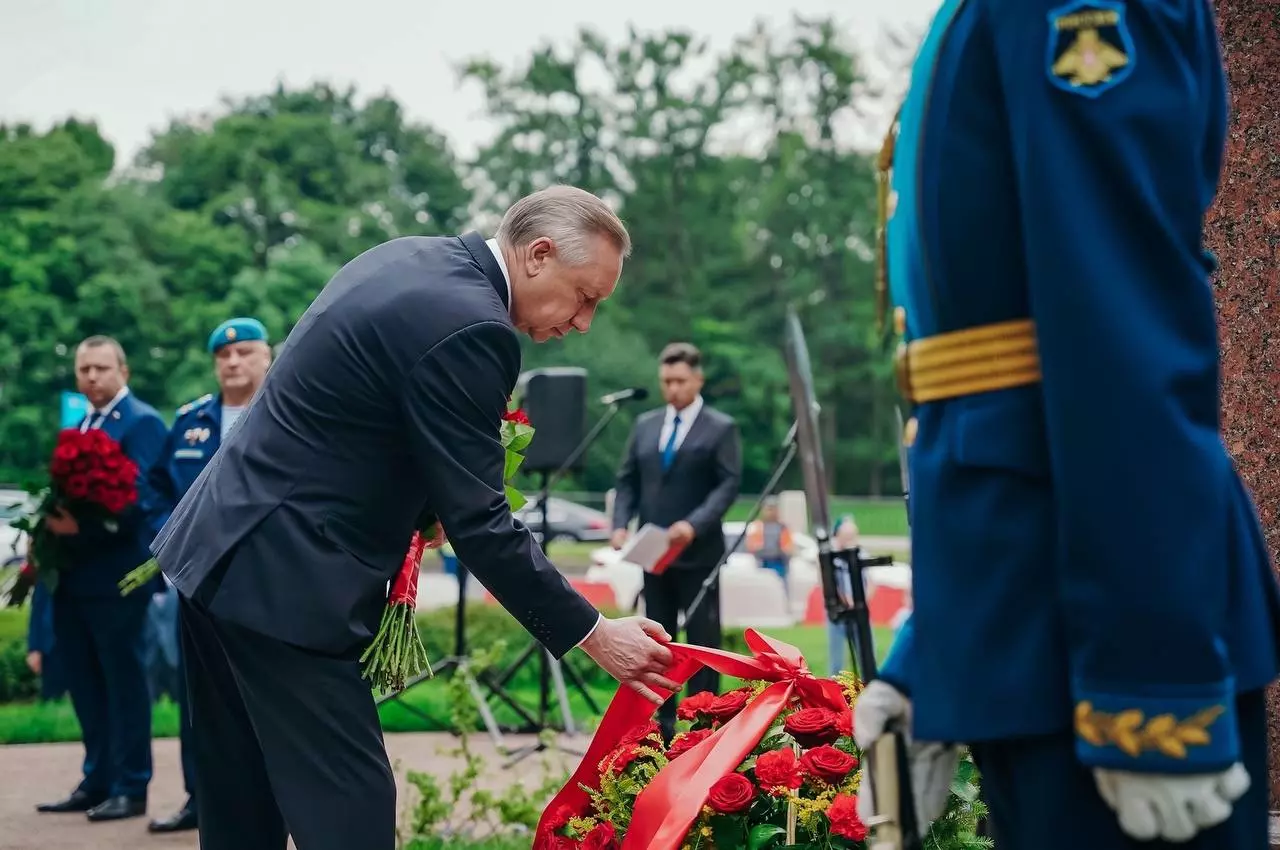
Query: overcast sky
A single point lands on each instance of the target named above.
(134, 64)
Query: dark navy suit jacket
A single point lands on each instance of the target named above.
(384, 404)
(700, 486)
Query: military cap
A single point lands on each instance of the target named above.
(241, 329)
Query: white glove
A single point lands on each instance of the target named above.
(1171, 807)
(933, 765)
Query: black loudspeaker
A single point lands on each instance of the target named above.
(555, 400)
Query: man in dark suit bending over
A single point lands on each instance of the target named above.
(383, 406)
(681, 471)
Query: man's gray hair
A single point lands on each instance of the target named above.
(569, 217)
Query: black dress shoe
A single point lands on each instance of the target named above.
(79, 801)
(185, 819)
(118, 808)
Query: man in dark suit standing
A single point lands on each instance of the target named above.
(681, 471)
(101, 636)
(383, 407)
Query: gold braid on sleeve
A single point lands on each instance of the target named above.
(884, 169)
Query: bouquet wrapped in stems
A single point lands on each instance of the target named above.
(396, 653)
(90, 478)
(769, 765)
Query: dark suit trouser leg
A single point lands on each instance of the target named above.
(119, 631)
(1042, 798)
(702, 624)
(73, 641)
(662, 604)
(186, 740)
(286, 740)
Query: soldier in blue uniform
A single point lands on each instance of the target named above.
(241, 355)
(100, 636)
(1095, 614)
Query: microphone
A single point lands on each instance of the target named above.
(637, 393)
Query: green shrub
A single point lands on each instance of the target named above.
(17, 682)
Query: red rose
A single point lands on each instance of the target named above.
(621, 758)
(639, 734)
(726, 706)
(843, 814)
(517, 416)
(551, 841)
(77, 487)
(695, 705)
(844, 723)
(683, 743)
(778, 771)
(115, 501)
(812, 727)
(601, 837)
(560, 818)
(828, 764)
(731, 794)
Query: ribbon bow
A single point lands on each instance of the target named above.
(670, 804)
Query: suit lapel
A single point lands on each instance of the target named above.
(475, 244)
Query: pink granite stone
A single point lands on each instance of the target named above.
(1243, 229)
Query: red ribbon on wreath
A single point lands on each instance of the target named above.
(671, 802)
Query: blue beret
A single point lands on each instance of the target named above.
(236, 330)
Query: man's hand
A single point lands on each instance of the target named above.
(629, 650)
(1171, 808)
(62, 523)
(680, 532)
(933, 766)
(619, 538)
(34, 662)
(437, 538)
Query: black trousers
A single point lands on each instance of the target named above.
(287, 743)
(1042, 798)
(665, 596)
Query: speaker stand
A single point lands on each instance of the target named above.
(550, 671)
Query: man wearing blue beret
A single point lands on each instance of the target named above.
(241, 354)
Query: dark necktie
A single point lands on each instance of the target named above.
(669, 451)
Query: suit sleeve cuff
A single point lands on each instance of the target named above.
(1174, 729)
(599, 620)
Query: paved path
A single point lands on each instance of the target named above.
(39, 772)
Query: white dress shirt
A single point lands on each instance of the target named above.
(502, 264)
(687, 417)
(95, 418)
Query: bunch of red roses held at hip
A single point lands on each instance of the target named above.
(90, 478)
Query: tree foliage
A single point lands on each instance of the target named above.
(733, 171)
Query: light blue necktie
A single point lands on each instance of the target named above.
(669, 452)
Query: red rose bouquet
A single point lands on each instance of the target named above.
(91, 478)
(769, 765)
(396, 653)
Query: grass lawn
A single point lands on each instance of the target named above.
(876, 517)
(22, 723)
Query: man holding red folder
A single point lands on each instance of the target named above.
(681, 471)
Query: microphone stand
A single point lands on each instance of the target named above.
(549, 669)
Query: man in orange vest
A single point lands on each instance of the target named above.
(770, 540)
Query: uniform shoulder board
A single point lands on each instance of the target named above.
(192, 405)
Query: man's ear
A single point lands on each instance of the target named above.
(537, 255)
